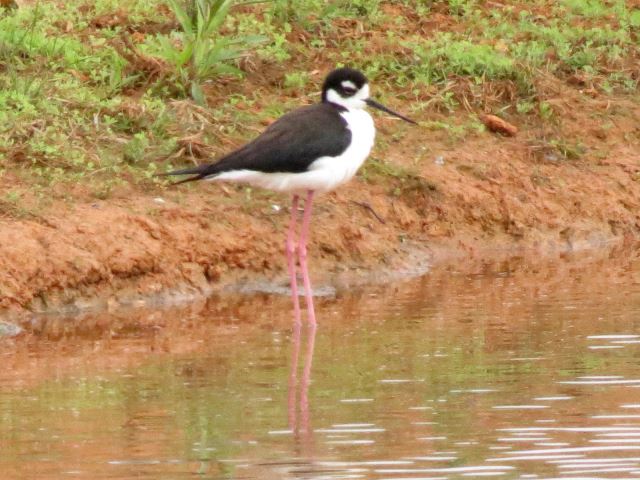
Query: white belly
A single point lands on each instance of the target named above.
(324, 174)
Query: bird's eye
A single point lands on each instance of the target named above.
(349, 90)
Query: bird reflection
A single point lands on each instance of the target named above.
(299, 417)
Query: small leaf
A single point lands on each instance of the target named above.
(218, 13)
(197, 94)
(227, 68)
(186, 55)
(182, 16)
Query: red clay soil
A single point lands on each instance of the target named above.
(487, 192)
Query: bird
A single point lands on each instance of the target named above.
(310, 150)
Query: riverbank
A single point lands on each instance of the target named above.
(487, 193)
(85, 225)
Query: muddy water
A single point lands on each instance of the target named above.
(516, 369)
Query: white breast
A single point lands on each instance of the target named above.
(341, 169)
(324, 174)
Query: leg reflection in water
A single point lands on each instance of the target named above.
(299, 419)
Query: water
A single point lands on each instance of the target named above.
(517, 369)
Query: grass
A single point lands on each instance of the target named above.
(200, 51)
(97, 93)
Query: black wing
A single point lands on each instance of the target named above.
(289, 145)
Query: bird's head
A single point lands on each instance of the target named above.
(349, 88)
(346, 87)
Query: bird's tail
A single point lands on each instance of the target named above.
(197, 173)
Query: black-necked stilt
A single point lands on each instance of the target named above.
(312, 149)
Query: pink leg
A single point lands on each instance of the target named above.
(293, 379)
(305, 423)
(291, 259)
(302, 252)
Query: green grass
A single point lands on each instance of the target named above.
(97, 92)
(496, 45)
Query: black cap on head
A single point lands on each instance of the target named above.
(345, 74)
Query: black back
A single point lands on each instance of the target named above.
(289, 145)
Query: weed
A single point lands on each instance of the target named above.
(296, 80)
(135, 150)
(545, 110)
(555, 148)
(11, 205)
(460, 7)
(569, 150)
(525, 106)
(200, 51)
(312, 12)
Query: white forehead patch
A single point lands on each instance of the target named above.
(348, 84)
(363, 93)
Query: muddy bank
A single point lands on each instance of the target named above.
(447, 198)
(103, 255)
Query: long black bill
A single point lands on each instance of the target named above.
(379, 106)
